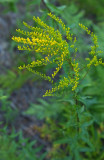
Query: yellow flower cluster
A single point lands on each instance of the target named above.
(66, 81)
(62, 84)
(94, 52)
(76, 75)
(66, 29)
(54, 49)
(49, 42)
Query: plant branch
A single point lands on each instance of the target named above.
(46, 5)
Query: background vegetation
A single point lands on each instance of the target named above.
(33, 127)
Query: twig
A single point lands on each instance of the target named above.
(46, 5)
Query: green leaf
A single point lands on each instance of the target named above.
(63, 141)
(54, 8)
(86, 124)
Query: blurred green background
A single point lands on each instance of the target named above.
(24, 113)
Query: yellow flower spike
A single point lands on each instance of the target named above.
(72, 46)
(75, 39)
(93, 52)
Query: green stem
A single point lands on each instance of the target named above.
(76, 103)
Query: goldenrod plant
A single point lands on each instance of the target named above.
(67, 126)
(48, 42)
